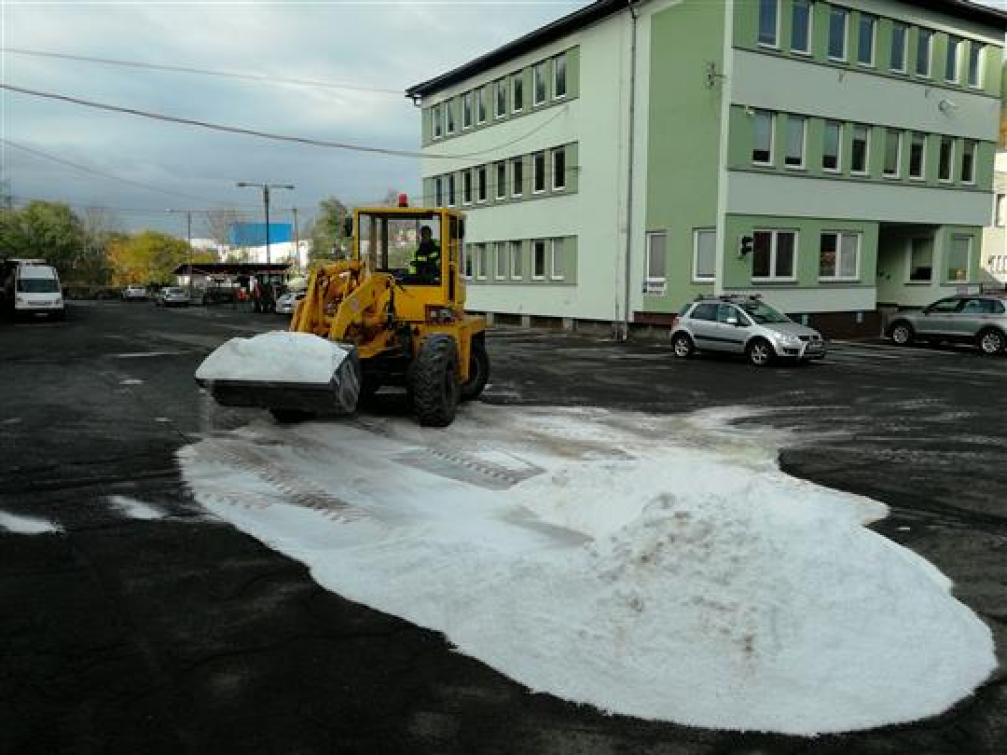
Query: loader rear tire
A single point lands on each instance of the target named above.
(479, 370)
(435, 388)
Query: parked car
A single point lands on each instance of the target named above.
(287, 303)
(979, 319)
(172, 296)
(134, 293)
(743, 325)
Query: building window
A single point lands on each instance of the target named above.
(830, 150)
(516, 259)
(975, 64)
(500, 98)
(538, 259)
(837, 33)
(438, 192)
(437, 121)
(559, 169)
(467, 187)
(800, 34)
(769, 20)
(467, 110)
(794, 157)
(559, 77)
(704, 254)
(451, 190)
(917, 155)
(481, 189)
(517, 93)
(762, 147)
(517, 177)
(469, 270)
(556, 268)
(947, 159)
(774, 255)
(959, 258)
(951, 65)
(860, 152)
(481, 105)
(538, 173)
(969, 162)
(500, 255)
(865, 39)
(921, 260)
(1000, 210)
(449, 112)
(482, 261)
(538, 76)
(655, 276)
(501, 181)
(897, 60)
(923, 42)
(893, 150)
(839, 256)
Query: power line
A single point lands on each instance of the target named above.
(96, 172)
(202, 71)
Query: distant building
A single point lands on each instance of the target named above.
(994, 262)
(836, 157)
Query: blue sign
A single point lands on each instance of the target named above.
(254, 234)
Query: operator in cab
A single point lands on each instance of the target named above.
(426, 262)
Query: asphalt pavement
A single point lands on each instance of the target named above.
(182, 635)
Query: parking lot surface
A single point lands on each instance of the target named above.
(180, 634)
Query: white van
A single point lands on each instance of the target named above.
(31, 288)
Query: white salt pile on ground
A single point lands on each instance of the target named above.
(135, 509)
(278, 356)
(26, 525)
(652, 566)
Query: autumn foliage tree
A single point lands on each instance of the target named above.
(147, 258)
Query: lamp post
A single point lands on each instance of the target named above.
(188, 238)
(265, 202)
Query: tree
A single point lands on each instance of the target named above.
(147, 258)
(44, 230)
(218, 225)
(327, 232)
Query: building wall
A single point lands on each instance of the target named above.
(994, 254)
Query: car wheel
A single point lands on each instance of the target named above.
(681, 344)
(991, 342)
(760, 352)
(902, 333)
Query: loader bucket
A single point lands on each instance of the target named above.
(284, 371)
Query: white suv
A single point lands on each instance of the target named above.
(743, 325)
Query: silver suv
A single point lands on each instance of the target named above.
(980, 319)
(743, 325)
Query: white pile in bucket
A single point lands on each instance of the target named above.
(652, 566)
(278, 356)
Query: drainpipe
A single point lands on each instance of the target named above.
(623, 327)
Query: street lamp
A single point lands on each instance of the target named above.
(265, 201)
(188, 237)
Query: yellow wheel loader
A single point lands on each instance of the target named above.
(396, 309)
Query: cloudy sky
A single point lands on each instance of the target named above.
(376, 49)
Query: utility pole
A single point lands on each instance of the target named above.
(297, 242)
(265, 201)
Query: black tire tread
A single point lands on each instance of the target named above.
(435, 395)
(480, 362)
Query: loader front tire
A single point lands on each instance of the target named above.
(479, 370)
(435, 388)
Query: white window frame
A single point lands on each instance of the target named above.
(1000, 209)
(834, 11)
(969, 145)
(979, 50)
(438, 192)
(839, 146)
(809, 6)
(840, 235)
(482, 107)
(514, 256)
(501, 185)
(874, 39)
(500, 85)
(537, 172)
(561, 184)
(775, 44)
(867, 149)
(482, 185)
(951, 160)
(775, 234)
(556, 269)
(539, 73)
(930, 53)
(467, 187)
(923, 161)
(449, 117)
(482, 261)
(968, 258)
(696, 234)
(772, 136)
(436, 120)
(467, 119)
(469, 261)
(519, 79)
(909, 261)
(556, 95)
(898, 155)
(904, 66)
(537, 247)
(654, 285)
(953, 76)
(500, 266)
(452, 190)
(517, 177)
(803, 143)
